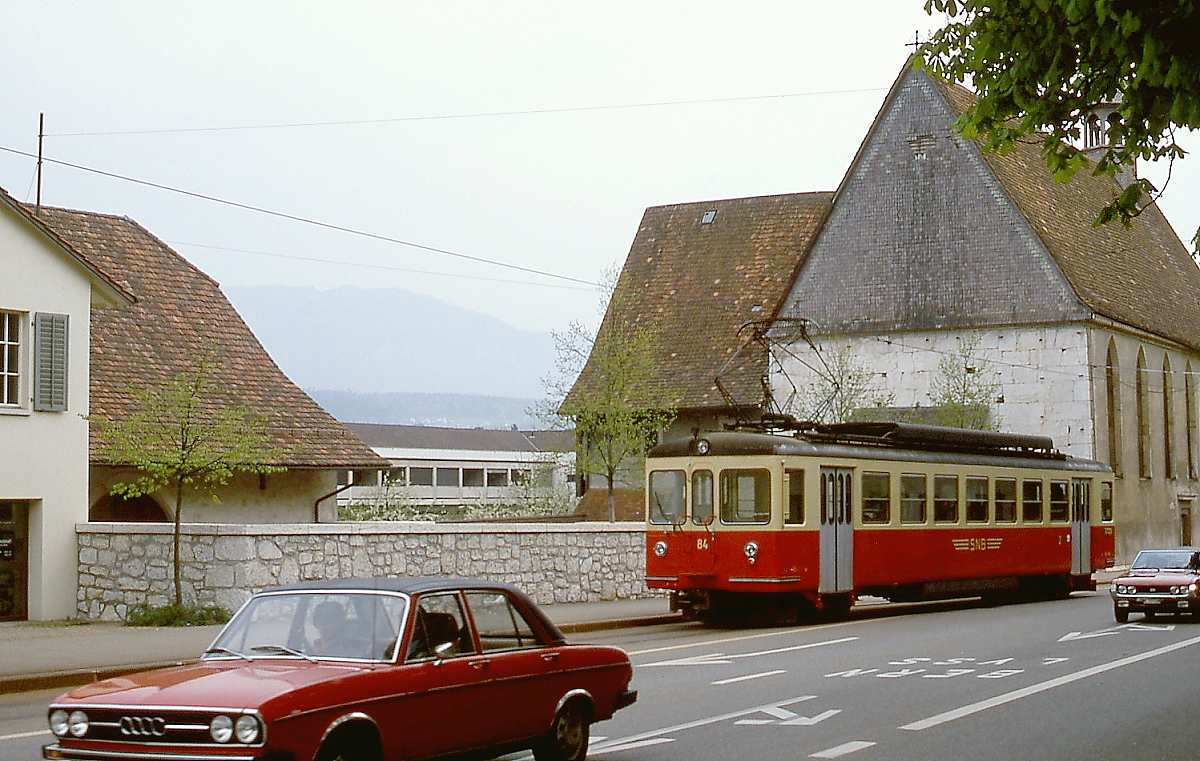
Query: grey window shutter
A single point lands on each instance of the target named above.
(50, 362)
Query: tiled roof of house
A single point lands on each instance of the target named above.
(385, 436)
(700, 273)
(104, 290)
(1141, 275)
(180, 312)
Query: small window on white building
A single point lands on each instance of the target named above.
(447, 477)
(10, 359)
(420, 476)
(472, 477)
(497, 477)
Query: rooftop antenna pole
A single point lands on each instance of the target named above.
(41, 137)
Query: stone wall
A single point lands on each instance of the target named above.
(125, 564)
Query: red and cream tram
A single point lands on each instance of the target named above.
(740, 521)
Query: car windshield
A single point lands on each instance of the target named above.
(315, 625)
(1164, 559)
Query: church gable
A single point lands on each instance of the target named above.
(922, 236)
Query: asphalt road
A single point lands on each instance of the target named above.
(1057, 680)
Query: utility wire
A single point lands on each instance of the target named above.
(308, 221)
(479, 115)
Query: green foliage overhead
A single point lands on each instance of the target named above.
(1039, 67)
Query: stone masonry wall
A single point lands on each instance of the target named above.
(126, 564)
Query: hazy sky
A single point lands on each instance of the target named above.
(532, 134)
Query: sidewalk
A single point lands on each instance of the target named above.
(36, 656)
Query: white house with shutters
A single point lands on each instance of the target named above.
(46, 294)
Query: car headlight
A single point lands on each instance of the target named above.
(246, 728)
(221, 728)
(77, 723)
(58, 722)
(1178, 590)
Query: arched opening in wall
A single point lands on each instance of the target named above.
(1142, 403)
(1112, 394)
(1168, 415)
(144, 509)
(1189, 411)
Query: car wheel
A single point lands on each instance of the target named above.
(1121, 614)
(349, 748)
(568, 736)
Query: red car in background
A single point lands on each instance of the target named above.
(359, 670)
(1165, 580)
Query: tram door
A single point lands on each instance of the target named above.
(1081, 526)
(837, 531)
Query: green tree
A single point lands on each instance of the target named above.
(965, 388)
(184, 434)
(1039, 67)
(607, 387)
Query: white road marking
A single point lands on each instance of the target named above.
(759, 675)
(630, 746)
(722, 659)
(739, 638)
(842, 750)
(657, 733)
(21, 735)
(1024, 692)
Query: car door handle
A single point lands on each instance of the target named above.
(481, 664)
(549, 657)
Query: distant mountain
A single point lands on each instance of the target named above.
(445, 410)
(388, 340)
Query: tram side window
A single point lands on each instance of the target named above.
(1031, 501)
(913, 488)
(877, 498)
(945, 499)
(977, 500)
(667, 498)
(745, 496)
(1060, 504)
(1006, 500)
(702, 497)
(1106, 502)
(795, 496)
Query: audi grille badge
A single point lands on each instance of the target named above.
(143, 726)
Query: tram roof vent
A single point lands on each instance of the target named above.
(914, 434)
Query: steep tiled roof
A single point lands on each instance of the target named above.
(1141, 275)
(700, 282)
(179, 311)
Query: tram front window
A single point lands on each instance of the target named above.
(745, 496)
(702, 497)
(667, 500)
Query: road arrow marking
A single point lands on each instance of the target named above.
(1116, 630)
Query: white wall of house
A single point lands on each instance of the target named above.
(289, 496)
(45, 454)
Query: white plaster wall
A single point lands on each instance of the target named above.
(1043, 374)
(46, 453)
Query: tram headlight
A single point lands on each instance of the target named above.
(660, 549)
(751, 550)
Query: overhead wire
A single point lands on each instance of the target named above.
(308, 220)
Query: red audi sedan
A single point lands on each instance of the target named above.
(359, 670)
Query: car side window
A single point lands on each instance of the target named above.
(500, 625)
(439, 629)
